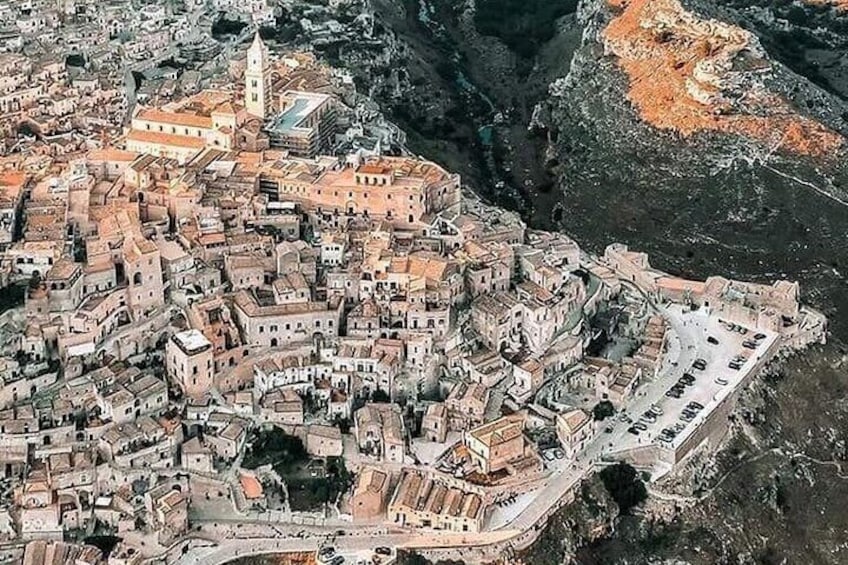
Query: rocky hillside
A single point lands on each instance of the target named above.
(677, 132)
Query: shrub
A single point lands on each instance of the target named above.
(603, 410)
(624, 485)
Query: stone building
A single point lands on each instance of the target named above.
(493, 446)
(424, 501)
(189, 362)
(574, 430)
(370, 494)
(434, 425)
(380, 431)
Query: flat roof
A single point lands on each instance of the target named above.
(304, 104)
(191, 341)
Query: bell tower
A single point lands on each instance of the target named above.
(257, 76)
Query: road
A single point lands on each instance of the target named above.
(348, 543)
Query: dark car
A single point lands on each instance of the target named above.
(758, 337)
(633, 430)
(749, 345)
(383, 551)
(712, 340)
(734, 366)
(687, 378)
(695, 405)
(337, 560)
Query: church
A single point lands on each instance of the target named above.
(300, 122)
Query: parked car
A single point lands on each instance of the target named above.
(759, 337)
(700, 364)
(721, 381)
(735, 366)
(712, 340)
(633, 430)
(695, 405)
(337, 560)
(640, 426)
(749, 345)
(382, 550)
(656, 410)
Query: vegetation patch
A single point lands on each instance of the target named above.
(277, 448)
(524, 25)
(624, 485)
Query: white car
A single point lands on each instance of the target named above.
(721, 381)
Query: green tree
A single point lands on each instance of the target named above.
(603, 410)
(624, 485)
(276, 447)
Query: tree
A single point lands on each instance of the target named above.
(35, 281)
(624, 485)
(275, 447)
(380, 395)
(603, 410)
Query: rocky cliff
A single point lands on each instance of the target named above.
(668, 72)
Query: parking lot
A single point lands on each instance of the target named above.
(697, 337)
